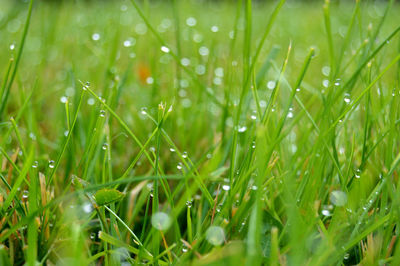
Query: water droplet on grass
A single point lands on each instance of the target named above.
(63, 99)
(326, 210)
(191, 21)
(150, 80)
(52, 164)
(271, 84)
(179, 166)
(87, 207)
(96, 36)
(242, 129)
(346, 98)
(203, 51)
(226, 187)
(215, 235)
(338, 198)
(143, 110)
(358, 173)
(326, 70)
(90, 101)
(25, 194)
(129, 42)
(171, 149)
(161, 221)
(214, 28)
(184, 155)
(326, 213)
(102, 113)
(253, 115)
(86, 86)
(219, 72)
(105, 146)
(165, 49)
(32, 136)
(185, 61)
(200, 69)
(35, 164)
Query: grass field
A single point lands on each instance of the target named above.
(199, 133)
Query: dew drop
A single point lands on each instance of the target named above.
(25, 194)
(226, 187)
(102, 113)
(242, 129)
(52, 164)
(105, 146)
(191, 21)
(326, 70)
(150, 80)
(338, 198)
(184, 155)
(358, 173)
(179, 166)
(35, 164)
(63, 99)
(87, 207)
(90, 101)
(253, 115)
(161, 221)
(326, 213)
(271, 84)
(185, 61)
(326, 210)
(215, 235)
(143, 110)
(203, 51)
(95, 37)
(165, 49)
(346, 98)
(32, 136)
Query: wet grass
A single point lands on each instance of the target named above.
(195, 132)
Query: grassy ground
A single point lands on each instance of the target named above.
(193, 132)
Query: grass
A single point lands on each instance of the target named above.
(196, 132)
